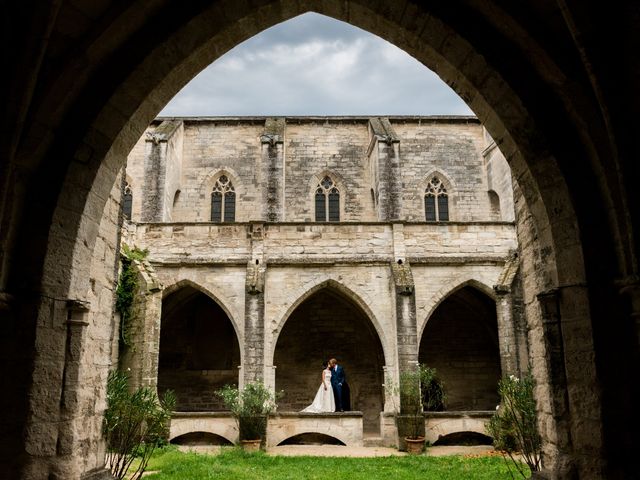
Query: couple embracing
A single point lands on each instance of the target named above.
(332, 395)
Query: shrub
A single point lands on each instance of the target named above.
(250, 407)
(432, 389)
(135, 423)
(514, 425)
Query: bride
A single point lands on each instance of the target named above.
(324, 398)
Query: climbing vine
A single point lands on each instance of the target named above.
(126, 290)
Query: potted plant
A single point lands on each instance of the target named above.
(250, 407)
(418, 388)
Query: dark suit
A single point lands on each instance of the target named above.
(339, 384)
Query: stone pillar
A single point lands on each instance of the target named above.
(140, 358)
(552, 331)
(384, 158)
(253, 364)
(154, 202)
(272, 169)
(506, 332)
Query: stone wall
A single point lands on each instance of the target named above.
(276, 164)
(297, 292)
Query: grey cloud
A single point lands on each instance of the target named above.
(313, 65)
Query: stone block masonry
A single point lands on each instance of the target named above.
(379, 289)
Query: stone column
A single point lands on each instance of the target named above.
(253, 364)
(140, 359)
(549, 302)
(272, 170)
(506, 332)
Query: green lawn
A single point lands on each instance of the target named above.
(236, 465)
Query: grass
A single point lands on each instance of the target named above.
(234, 464)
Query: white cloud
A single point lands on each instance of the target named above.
(314, 65)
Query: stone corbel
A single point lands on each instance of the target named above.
(255, 278)
(270, 138)
(77, 311)
(403, 278)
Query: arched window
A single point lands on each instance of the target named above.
(327, 201)
(436, 201)
(223, 201)
(127, 201)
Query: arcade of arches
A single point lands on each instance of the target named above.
(553, 81)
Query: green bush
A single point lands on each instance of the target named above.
(250, 407)
(432, 389)
(135, 423)
(514, 426)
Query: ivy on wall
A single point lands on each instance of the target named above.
(126, 290)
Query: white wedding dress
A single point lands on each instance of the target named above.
(324, 401)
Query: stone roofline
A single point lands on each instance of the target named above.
(330, 118)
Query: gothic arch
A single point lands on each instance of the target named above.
(216, 297)
(532, 98)
(339, 182)
(447, 290)
(448, 184)
(350, 295)
(209, 182)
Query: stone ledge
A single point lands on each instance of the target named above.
(355, 414)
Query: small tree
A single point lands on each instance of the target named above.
(135, 423)
(250, 407)
(514, 425)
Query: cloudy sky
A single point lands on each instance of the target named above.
(314, 65)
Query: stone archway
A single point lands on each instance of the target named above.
(460, 340)
(199, 350)
(325, 325)
(538, 74)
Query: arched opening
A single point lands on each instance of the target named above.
(201, 439)
(463, 438)
(326, 325)
(312, 438)
(460, 341)
(494, 204)
(199, 350)
(520, 66)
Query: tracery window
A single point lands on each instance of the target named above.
(436, 201)
(327, 201)
(223, 201)
(127, 201)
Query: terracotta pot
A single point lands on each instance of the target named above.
(250, 445)
(414, 445)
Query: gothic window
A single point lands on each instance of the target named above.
(223, 201)
(327, 201)
(436, 201)
(127, 201)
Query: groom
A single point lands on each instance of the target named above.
(339, 384)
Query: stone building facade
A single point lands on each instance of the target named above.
(279, 243)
